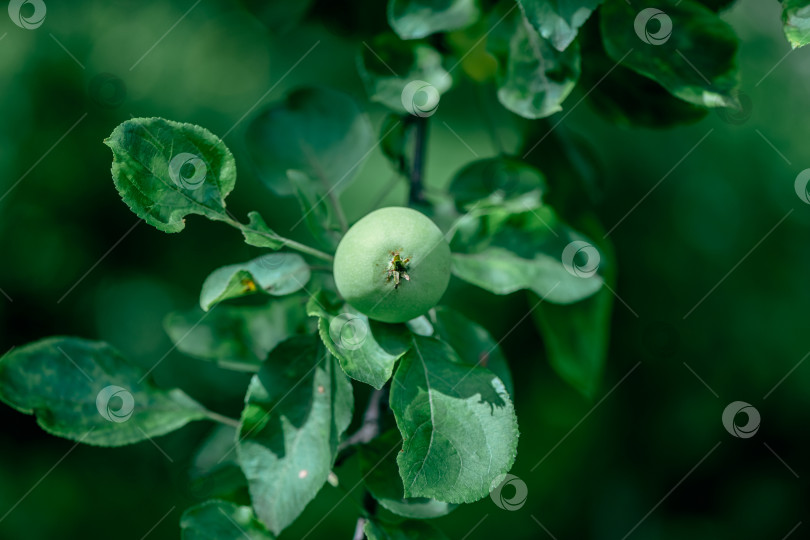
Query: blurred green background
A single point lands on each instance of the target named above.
(73, 261)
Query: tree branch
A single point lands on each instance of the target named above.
(359, 534)
(370, 506)
(371, 421)
(417, 193)
(369, 430)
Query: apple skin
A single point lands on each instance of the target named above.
(364, 256)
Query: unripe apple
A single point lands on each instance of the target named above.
(393, 265)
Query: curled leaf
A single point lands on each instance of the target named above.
(166, 170)
(275, 274)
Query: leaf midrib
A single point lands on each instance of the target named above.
(136, 159)
(432, 418)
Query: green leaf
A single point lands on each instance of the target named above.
(576, 338)
(279, 18)
(214, 471)
(258, 234)
(415, 19)
(296, 409)
(394, 338)
(216, 450)
(420, 326)
(166, 170)
(405, 530)
(457, 423)
(572, 167)
(472, 343)
(393, 141)
(495, 181)
(86, 391)
(501, 271)
(558, 20)
(317, 131)
(348, 335)
(534, 251)
(378, 467)
(694, 58)
(236, 337)
(275, 274)
(226, 481)
(316, 211)
(221, 520)
(406, 77)
(796, 21)
(628, 99)
(533, 77)
(624, 97)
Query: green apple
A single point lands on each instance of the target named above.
(393, 265)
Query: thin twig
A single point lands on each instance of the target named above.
(303, 248)
(222, 419)
(292, 244)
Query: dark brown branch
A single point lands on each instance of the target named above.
(417, 193)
